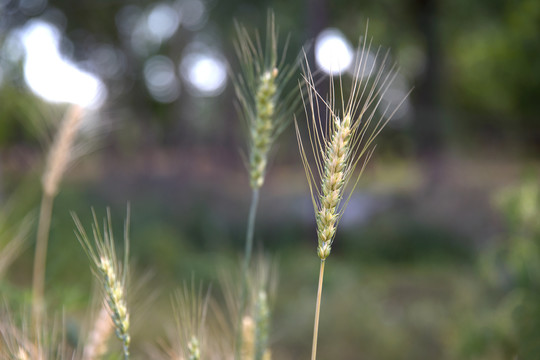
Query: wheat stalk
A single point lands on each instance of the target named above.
(59, 157)
(337, 150)
(265, 106)
(111, 274)
(60, 153)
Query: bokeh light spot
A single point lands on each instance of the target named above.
(160, 79)
(194, 14)
(162, 21)
(52, 77)
(333, 52)
(205, 73)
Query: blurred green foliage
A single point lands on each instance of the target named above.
(495, 80)
(510, 323)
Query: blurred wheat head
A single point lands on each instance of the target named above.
(19, 340)
(265, 102)
(191, 309)
(111, 273)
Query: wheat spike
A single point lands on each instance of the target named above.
(345, 141)
(111, 275)
(264, 101)
(262, 127)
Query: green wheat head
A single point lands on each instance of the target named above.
(261, 89)
(343, 138)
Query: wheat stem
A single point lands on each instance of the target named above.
(40, 258)
(247, 260)
(59, 157)
(317, 312)
(262, 317)
(250, 229)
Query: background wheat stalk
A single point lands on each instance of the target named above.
(59, 157)
(339, 143)
(265, 104)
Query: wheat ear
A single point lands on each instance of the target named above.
(190, 310)
(111, 274)
(264, 101)
(58, 160)
(337, 150)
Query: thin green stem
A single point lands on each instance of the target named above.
(250, 230)
(40, 258)
(245, 268)
(317, 313)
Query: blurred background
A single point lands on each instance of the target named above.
(438, 254)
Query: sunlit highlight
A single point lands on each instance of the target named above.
(52, 77)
